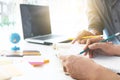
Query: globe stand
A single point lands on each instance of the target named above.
(15, 48)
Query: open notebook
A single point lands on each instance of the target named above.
(110, 62)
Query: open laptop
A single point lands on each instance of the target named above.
(36, 24)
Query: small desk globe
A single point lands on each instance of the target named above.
(14, 39)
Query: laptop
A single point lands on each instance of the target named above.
(36, 25)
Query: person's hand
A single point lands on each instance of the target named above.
(96, 47)
(89, 42)
(82, 68)
(80, 35)
(106, 48)
(85, 33)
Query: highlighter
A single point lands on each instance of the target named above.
(39, 63)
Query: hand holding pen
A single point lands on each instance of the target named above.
(89, 42)
(98, 44)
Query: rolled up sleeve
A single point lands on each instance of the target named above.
(94, 19)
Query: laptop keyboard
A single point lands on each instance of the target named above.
(45, 37)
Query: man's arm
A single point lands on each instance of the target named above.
(96, 25)
(82, 68)
(106, 74)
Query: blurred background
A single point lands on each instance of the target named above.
(67, 16)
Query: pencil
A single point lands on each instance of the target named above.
(110, 37)
(87, 37)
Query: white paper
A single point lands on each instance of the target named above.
(110, 62)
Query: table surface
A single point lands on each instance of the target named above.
(50, 71)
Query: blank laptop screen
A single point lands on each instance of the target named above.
(35, 20)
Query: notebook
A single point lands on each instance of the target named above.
(110, 62)
(36, 24)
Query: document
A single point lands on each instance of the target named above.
(110, 62)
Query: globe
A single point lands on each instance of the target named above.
(14, 38)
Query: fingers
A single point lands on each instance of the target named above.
(78, 38)
(80, 35)
(73, 41)
(100, 45)
(102, 48)
(63, 59)
(93, 47)
(91, 54)
(66, 62)
(97, 46)
(83, 41)
(89, 42)
(90, 51)
(94, 40)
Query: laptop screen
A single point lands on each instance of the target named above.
(35, 20)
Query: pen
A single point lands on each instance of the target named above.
(66, 41)
(47, 43)
(14, 55)
(110, 37)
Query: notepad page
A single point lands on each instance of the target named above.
(68, 48)
(110, 62)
